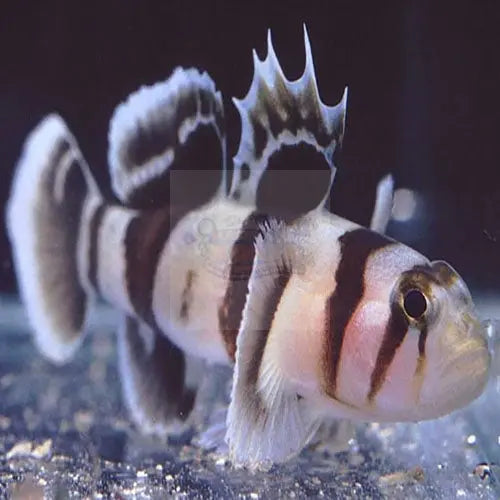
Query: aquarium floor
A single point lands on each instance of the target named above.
(65, 434)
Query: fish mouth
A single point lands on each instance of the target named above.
(465, 377)
(461, 369)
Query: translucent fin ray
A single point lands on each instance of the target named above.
(266, 422)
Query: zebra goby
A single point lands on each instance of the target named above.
(320, 318)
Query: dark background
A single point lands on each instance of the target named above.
(423, 82)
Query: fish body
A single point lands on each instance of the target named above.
(320, 317)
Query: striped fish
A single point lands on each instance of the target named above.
(320, 318)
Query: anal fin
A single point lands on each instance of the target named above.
(153, 373)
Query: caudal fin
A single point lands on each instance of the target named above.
(51, 186)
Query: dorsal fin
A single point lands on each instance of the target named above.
(167, 143)
(277, 114)
(384, 201)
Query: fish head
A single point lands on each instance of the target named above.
(413, 348)
(453, 359)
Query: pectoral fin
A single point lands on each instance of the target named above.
(267, 421)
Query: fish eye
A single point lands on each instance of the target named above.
(415, 303)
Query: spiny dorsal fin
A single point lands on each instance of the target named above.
(277, 113)
(167, 142)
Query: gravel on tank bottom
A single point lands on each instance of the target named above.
(64, 433)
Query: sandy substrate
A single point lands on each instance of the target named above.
(64, 433)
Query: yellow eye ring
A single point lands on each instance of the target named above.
(415, 303)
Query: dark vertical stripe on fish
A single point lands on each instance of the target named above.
(95, 225)
(146, 236)
(242, 260)
(395, 333)
(421, 351)
(265, 324)
(187, 295)
(355, 248)
(58, 152)
(75, 194)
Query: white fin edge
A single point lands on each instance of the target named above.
(28, 191)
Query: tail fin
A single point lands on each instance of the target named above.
(51, 185)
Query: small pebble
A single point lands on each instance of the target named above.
(83, 420)
(20, 449)
(4, 423)
(483, 470)
(403, 477)
(471, 440)
(43, 449)
(387, 432)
